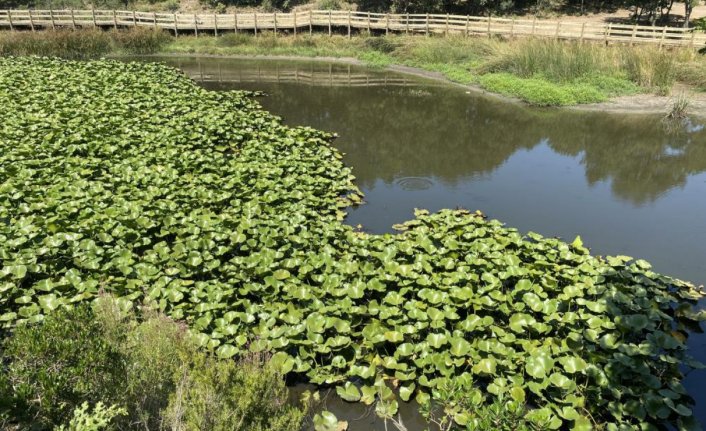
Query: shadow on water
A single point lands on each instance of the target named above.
(623, 182)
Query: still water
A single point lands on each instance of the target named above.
(624, 183)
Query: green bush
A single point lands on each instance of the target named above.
(149, 369)
(227, 396)
(56, 365)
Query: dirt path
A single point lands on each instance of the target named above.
(623, 15)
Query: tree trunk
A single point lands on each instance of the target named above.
(688, 7)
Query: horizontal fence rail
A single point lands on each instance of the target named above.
(349, 21)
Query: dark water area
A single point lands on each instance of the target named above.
(624, 183)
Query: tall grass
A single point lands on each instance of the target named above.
(81, 44)
(561, 61)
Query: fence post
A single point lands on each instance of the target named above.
(329, 22)
(31, 21)
(693, 38)
(427, 24)
(387, 24)
(235, 22)
(255, 19)
(154, 20)
(73, 20)
(558, 26)
(275, 18)
(634, 34)
(134, 19)
(349, 24)
(512, 29)
(447, 24)
(176, 27)
(311, 15)
(607, 33)
(489, 18)
(115, 20)
(51, 16)
(9, 16)
(215, 24)
(93, 15)
(583, 31)
(196, 25)
(295, 23)
(664, 34)
(369, 24)
(534, 25)
(468, 24)
(406, 22)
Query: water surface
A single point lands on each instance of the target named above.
(624, 183)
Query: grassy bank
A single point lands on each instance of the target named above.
(540, 72)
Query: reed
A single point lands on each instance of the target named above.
(81, 44)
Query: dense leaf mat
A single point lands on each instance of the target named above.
(130, 179)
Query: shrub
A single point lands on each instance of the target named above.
(229, 396)
(56, 365)
(149, 369)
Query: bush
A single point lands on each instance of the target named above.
(149, 369)
(54, 366)
(226, 396)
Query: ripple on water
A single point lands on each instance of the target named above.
(414, 183)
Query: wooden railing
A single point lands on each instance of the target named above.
(349, 21)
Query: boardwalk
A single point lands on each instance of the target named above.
(348, 22)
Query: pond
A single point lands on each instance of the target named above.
(625, 183)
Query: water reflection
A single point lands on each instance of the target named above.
(438, 131)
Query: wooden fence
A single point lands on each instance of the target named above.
(349, 21)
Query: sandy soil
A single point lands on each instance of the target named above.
(623, 15)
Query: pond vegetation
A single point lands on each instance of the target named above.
(130, 179)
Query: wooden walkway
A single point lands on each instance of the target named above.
(347, 22)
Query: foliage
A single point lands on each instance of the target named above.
(202, 204)
(97, 420)
(156, 373)
(227, 396)
(86, 43)
(54, 368)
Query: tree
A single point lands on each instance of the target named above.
(688, 8)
